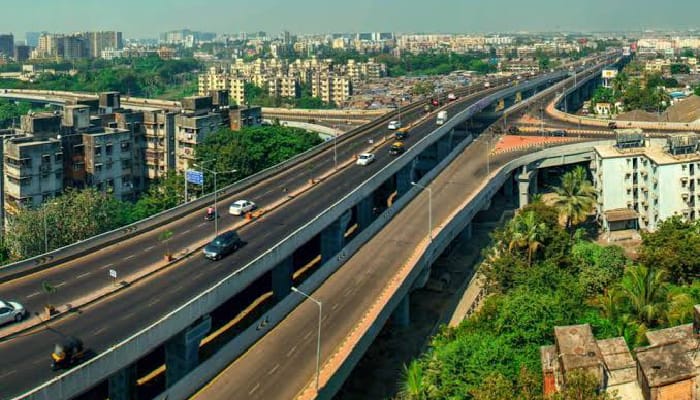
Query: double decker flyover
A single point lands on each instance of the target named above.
(138, 308)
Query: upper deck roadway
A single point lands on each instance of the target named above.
(25, 358)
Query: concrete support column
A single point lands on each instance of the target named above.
(508, 188)
(182, 351)
(364, 212)
(466, 233)
(122, 384)
(402, 314)
(404, 177)
(524, 188)
(282, 278)
(444, 146)
(333, 237)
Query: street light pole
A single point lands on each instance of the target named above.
(216, 196)
(335, 150)
(318, 338)
(46, 241)
(430, 209)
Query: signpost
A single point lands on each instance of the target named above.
(113, 275)
(195, 177)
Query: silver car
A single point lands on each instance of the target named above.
(11, 311)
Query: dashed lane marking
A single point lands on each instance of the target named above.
(33, 294)
(308, 334)
(254, 389)
(82, 275)
(272, 371)
(290, 352)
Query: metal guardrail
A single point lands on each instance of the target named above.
(129, 349)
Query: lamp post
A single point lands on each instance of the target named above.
(335, 150)
(46, 241)
(216, 210)
(430, 209)
(318, 338)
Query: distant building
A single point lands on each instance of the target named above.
(331, 88)
(245, 117)
(97, 42)
(22, 53)
(32, 38)
(7, 45)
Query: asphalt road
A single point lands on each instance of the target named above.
(25, 359)
(280, 364)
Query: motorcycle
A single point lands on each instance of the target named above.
(210, 215)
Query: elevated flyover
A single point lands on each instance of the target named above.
(180, 331)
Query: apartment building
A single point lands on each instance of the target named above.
(193, 125)
(159, 138)
(97, 42)
(641, 182)
(283, 86)
(331, 88)
(7, 44)
(109, 161)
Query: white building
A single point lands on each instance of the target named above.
(641, 183)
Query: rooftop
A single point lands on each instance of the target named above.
(654, 151)
(666, 364)
(621, 214)
(577, 347)
(615, 353)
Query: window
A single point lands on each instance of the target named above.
(58, 157)
(98, 167)
(125, 146)
(45, 159)
(126, 164)
(110, 183)
(98, 150)
(108, 149)
(109, 164)
(59, 175)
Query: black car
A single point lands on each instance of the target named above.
(222, 245)
(559, 133)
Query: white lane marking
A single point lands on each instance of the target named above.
(202, 224)
(97, 332)
(127, 316)
(325, 317)
(290, 352)
(272, 371)
(8, 373)
(33, 294)
(177, 289)
(148, 248)
(347, 292)
(60, 284)
(130, 257)
(254, 389)
(154, 301)
(82, 275)
(107, 266)
(335, 306)
(308, 334)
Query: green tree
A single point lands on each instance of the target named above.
(581, 385)
(674, 248)
(527, 233)
(645, 291)
(575, 197)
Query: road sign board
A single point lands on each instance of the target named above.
(193, 176)
(113, 273)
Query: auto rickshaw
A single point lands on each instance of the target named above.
(66, 353)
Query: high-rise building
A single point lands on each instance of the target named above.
(32, 38)
(22, 52)
(7, 45)
(100, 41)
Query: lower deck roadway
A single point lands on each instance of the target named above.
(282, 363)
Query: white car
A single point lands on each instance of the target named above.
(240, 207)
(11, 311)
(394, 125)
(365, 159)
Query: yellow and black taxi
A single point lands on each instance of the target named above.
(397, 148)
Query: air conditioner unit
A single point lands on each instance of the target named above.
(189, 136)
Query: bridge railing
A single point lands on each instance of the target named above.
(130, 349)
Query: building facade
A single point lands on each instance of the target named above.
(641, 183)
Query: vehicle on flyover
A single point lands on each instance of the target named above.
(401, 134)
(68, 352)
(222, 245)
(397, 148)
(240, 207)
(11, 311)
(365, 159)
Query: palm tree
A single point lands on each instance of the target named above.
(575, 197)
(645, 290)
(527, 232)
(413, 386)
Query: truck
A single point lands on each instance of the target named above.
(487, 85)
(441, 117)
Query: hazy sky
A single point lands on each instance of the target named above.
(146, 18)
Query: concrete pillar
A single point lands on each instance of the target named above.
(182, 351)
(486, 205)
(402, 314)
(333, 237)
(364, 212)
(122, 384)
(444, 146)
(404, 177)
(524, 188)
(508, 188)
(282, 278)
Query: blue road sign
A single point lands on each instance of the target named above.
(196, 177)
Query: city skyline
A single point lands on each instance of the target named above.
(146, 20)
